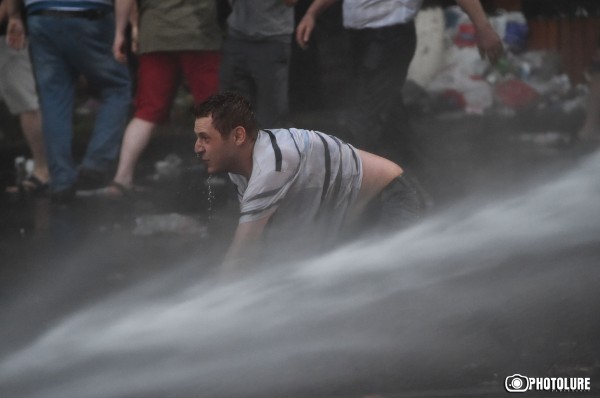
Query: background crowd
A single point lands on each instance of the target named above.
(132, 55)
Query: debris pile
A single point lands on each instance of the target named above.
(521, 80)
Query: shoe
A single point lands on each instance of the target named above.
(63, 196)
(88, 179)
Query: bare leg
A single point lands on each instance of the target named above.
(137, 137)
(591, 129)
(31, 124)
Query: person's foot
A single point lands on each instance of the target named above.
(32, 185)
(113, 191)
(88, 179)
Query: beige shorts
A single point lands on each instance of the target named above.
(17, 85)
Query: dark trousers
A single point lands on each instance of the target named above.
(397, 206)
(259, 70)
(381, 57)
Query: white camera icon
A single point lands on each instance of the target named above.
(516, 383)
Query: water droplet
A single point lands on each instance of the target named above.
(211, 198)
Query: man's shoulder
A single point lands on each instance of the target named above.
(279, 137)
(289, 134)
(277, 150)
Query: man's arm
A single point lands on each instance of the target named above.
(245, 245)
(134, 23)
(307, 24)
(123, 12)
(13, 8)
(3, 12)
(15, 32)
(488, 41)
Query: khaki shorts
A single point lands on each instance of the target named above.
(17, 85)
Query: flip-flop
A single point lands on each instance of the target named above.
(32, 185)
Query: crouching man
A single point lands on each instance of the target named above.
(296, 188)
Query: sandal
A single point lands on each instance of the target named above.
(31, 185)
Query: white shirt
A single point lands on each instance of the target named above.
(361, 14)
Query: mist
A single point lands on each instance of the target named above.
(470, 295)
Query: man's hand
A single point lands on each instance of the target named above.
(119, 51)
(308, 22)
(245, 247)
(15, 34)
(304, 30)
(134, 39)
(120, 45)
(125, 12)
(489, 43)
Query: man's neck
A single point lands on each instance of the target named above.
(247, 160)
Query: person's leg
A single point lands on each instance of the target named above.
(398, 134)
(381, 57)
(361, 123)
(157, 82)
(92, 55)
(234, 73)
(31, 124)
(397, 139)
(137, 137)
(270, 64)
(201, 70)
(17, 87)
(56, 86)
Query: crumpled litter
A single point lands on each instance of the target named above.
(171, 223)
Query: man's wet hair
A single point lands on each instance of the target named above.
(228, 111)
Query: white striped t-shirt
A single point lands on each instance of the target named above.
(304, 179)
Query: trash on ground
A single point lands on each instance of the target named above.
(545, 139)
(171, 223)
(520, 81)
(167, 168)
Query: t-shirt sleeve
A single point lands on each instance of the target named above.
(276, 166)
(265, 190)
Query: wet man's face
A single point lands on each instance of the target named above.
(216, 152)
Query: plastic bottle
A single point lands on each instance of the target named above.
(20, 169)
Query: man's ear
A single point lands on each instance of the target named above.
(239, 135)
